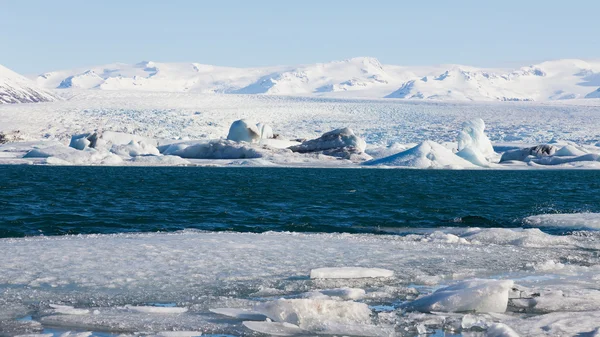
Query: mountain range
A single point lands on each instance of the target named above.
(363, 77)
(15, 88)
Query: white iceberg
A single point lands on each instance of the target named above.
(216, 149)
(244, 131)
(428, 154)
(316, 314)
(471, 295)
(338, 143)
(473, 138)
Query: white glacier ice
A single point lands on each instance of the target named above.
(244, 131)
(470, 295)
(473, 143)
(425, 155)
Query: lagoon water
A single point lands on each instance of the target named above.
(82, 200)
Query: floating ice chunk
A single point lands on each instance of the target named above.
(155, 310)
(531, 237)
(134, 149)
(315, 314)
(471, 295)
(561, 324)
(243, 131)
(341, 293)
(473, 156)
(68, 310)
(81, 141)
(470, 321)
(36, 335)
(338, 143)
(570, 150)
(68, 155)
(557, 300)
(278, 143)
(575, 220)
(349, 272)
(473, 137)
(216, 149)
(243, 314)
(275, 328)
(500, 330)
(265, 131)
(76, 334)
(428, 154)
(556, 160)
(529, 153)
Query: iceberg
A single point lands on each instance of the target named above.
(338, 143)
(477, 295)
(244, 131)
(428, 154)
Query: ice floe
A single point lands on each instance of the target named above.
(470, 295)
(349, 273)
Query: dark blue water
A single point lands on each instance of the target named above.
(37, 200)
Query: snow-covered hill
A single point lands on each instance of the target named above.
(15, 88)
(357, 77)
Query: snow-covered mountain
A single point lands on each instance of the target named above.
(357, 77)
(15, 88)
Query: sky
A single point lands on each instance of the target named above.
(44, 35)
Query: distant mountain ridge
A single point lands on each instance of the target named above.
(15, 88)
(356, 77)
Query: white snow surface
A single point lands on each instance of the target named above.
(150, 283)
(15, 88)
(357, 77)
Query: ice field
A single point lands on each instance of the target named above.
(387, 127)
(515, 281)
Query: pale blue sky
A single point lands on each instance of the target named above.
(44, 35)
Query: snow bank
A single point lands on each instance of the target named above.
(428, 154)
(471, 295)
(338, 143)
(349, 273)
(244, 131)
(473, 144)
(575, 220)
